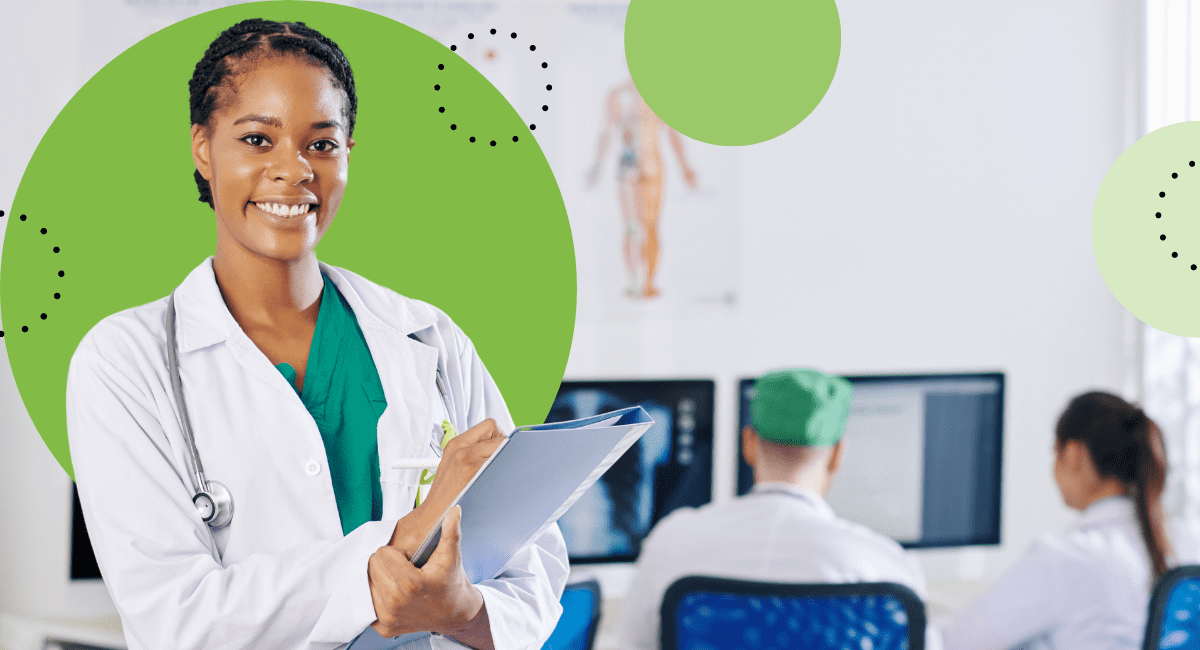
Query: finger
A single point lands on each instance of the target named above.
(447, 555)
(483, 431)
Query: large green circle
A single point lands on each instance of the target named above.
(732, 73)
(478, 230)
(1135, 231)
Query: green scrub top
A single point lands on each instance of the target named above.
(344, 395)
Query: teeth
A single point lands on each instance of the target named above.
(281, 210)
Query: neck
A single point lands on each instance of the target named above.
(1107, 488)
(264, 292)
(811, 477)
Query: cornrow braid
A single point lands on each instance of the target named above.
(247, 41)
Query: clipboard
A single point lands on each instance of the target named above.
(532, 478)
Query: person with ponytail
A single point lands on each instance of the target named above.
(1087, 587)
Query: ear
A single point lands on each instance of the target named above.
(201, 153)
(835, 459)
(750, 446)
(1075, 456)
(349, 144)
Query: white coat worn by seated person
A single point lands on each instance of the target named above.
(281, 574)
(1087, 587)
(783, 531)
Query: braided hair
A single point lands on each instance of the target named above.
(1125, 444)
(248, 41)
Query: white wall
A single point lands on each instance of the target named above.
(933, 213)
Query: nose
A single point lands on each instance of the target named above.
(291, 167)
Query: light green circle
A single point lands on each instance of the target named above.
(479, 231)
(732, 73)
(1127, 236)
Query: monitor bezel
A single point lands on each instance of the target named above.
(998, 376)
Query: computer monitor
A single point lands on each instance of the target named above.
(922, 458)
(669, 467)
(83, 560)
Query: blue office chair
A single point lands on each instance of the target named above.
(576, 629)
(702, 613)
(1174, 619)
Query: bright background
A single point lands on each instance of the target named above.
(932, 214)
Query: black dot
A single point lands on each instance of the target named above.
(545, 65)
(532, 48)
(1, 213)
(545, 107)
(1162, 194)
(441, 109)
(60, 274)
(514, 34)
(1193, 267)
(470, 36)
(24, 328)
(441, 66)
(532, 127)
(472, 138)
(453, 48)
(549, 87)
(1162, 237)
(1174, 175)
(22, 217)
(1, 331)
(453, 126)
(514, 138)
(1192, 163)
(1176, 254)
(437, 86)
(493, 31)
(493, 143)
(1158, 215)
(43, 231)
(43, 317)
(56, 249)
(57, 296)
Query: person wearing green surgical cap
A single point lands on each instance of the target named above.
(783, 530)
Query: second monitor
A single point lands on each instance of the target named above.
(922, 459)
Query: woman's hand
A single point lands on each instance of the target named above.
(438, 597)
(461, 460)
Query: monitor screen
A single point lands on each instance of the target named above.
(83, 561)
(922, 457)
(669, 467)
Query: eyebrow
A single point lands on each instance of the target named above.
(277, 123)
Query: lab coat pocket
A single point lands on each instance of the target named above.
(398, 496)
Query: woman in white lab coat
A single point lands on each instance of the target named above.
(303, 383)
(1087, 587)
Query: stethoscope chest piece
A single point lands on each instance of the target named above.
(214, 505)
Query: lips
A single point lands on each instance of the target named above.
(284, 209)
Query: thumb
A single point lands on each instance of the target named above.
(447, 555)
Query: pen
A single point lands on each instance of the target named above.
(416, 463)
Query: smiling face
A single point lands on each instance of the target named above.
(276, 159)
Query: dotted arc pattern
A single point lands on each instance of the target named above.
(480, 235)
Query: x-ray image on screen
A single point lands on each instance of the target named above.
(669, 467)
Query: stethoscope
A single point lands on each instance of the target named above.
(212, 499)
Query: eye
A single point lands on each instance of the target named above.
(324, 146)
(255, 139)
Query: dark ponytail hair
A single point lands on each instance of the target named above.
(249, 40)
(1128, 446)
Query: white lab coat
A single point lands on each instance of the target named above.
(777, 533)
(1087, 587)
(282, 574)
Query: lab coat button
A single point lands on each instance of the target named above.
(312, 467)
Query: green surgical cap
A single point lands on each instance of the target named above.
(800, 407)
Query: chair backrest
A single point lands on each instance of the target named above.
(1174, 618)
(576, 628)
(719, 614)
